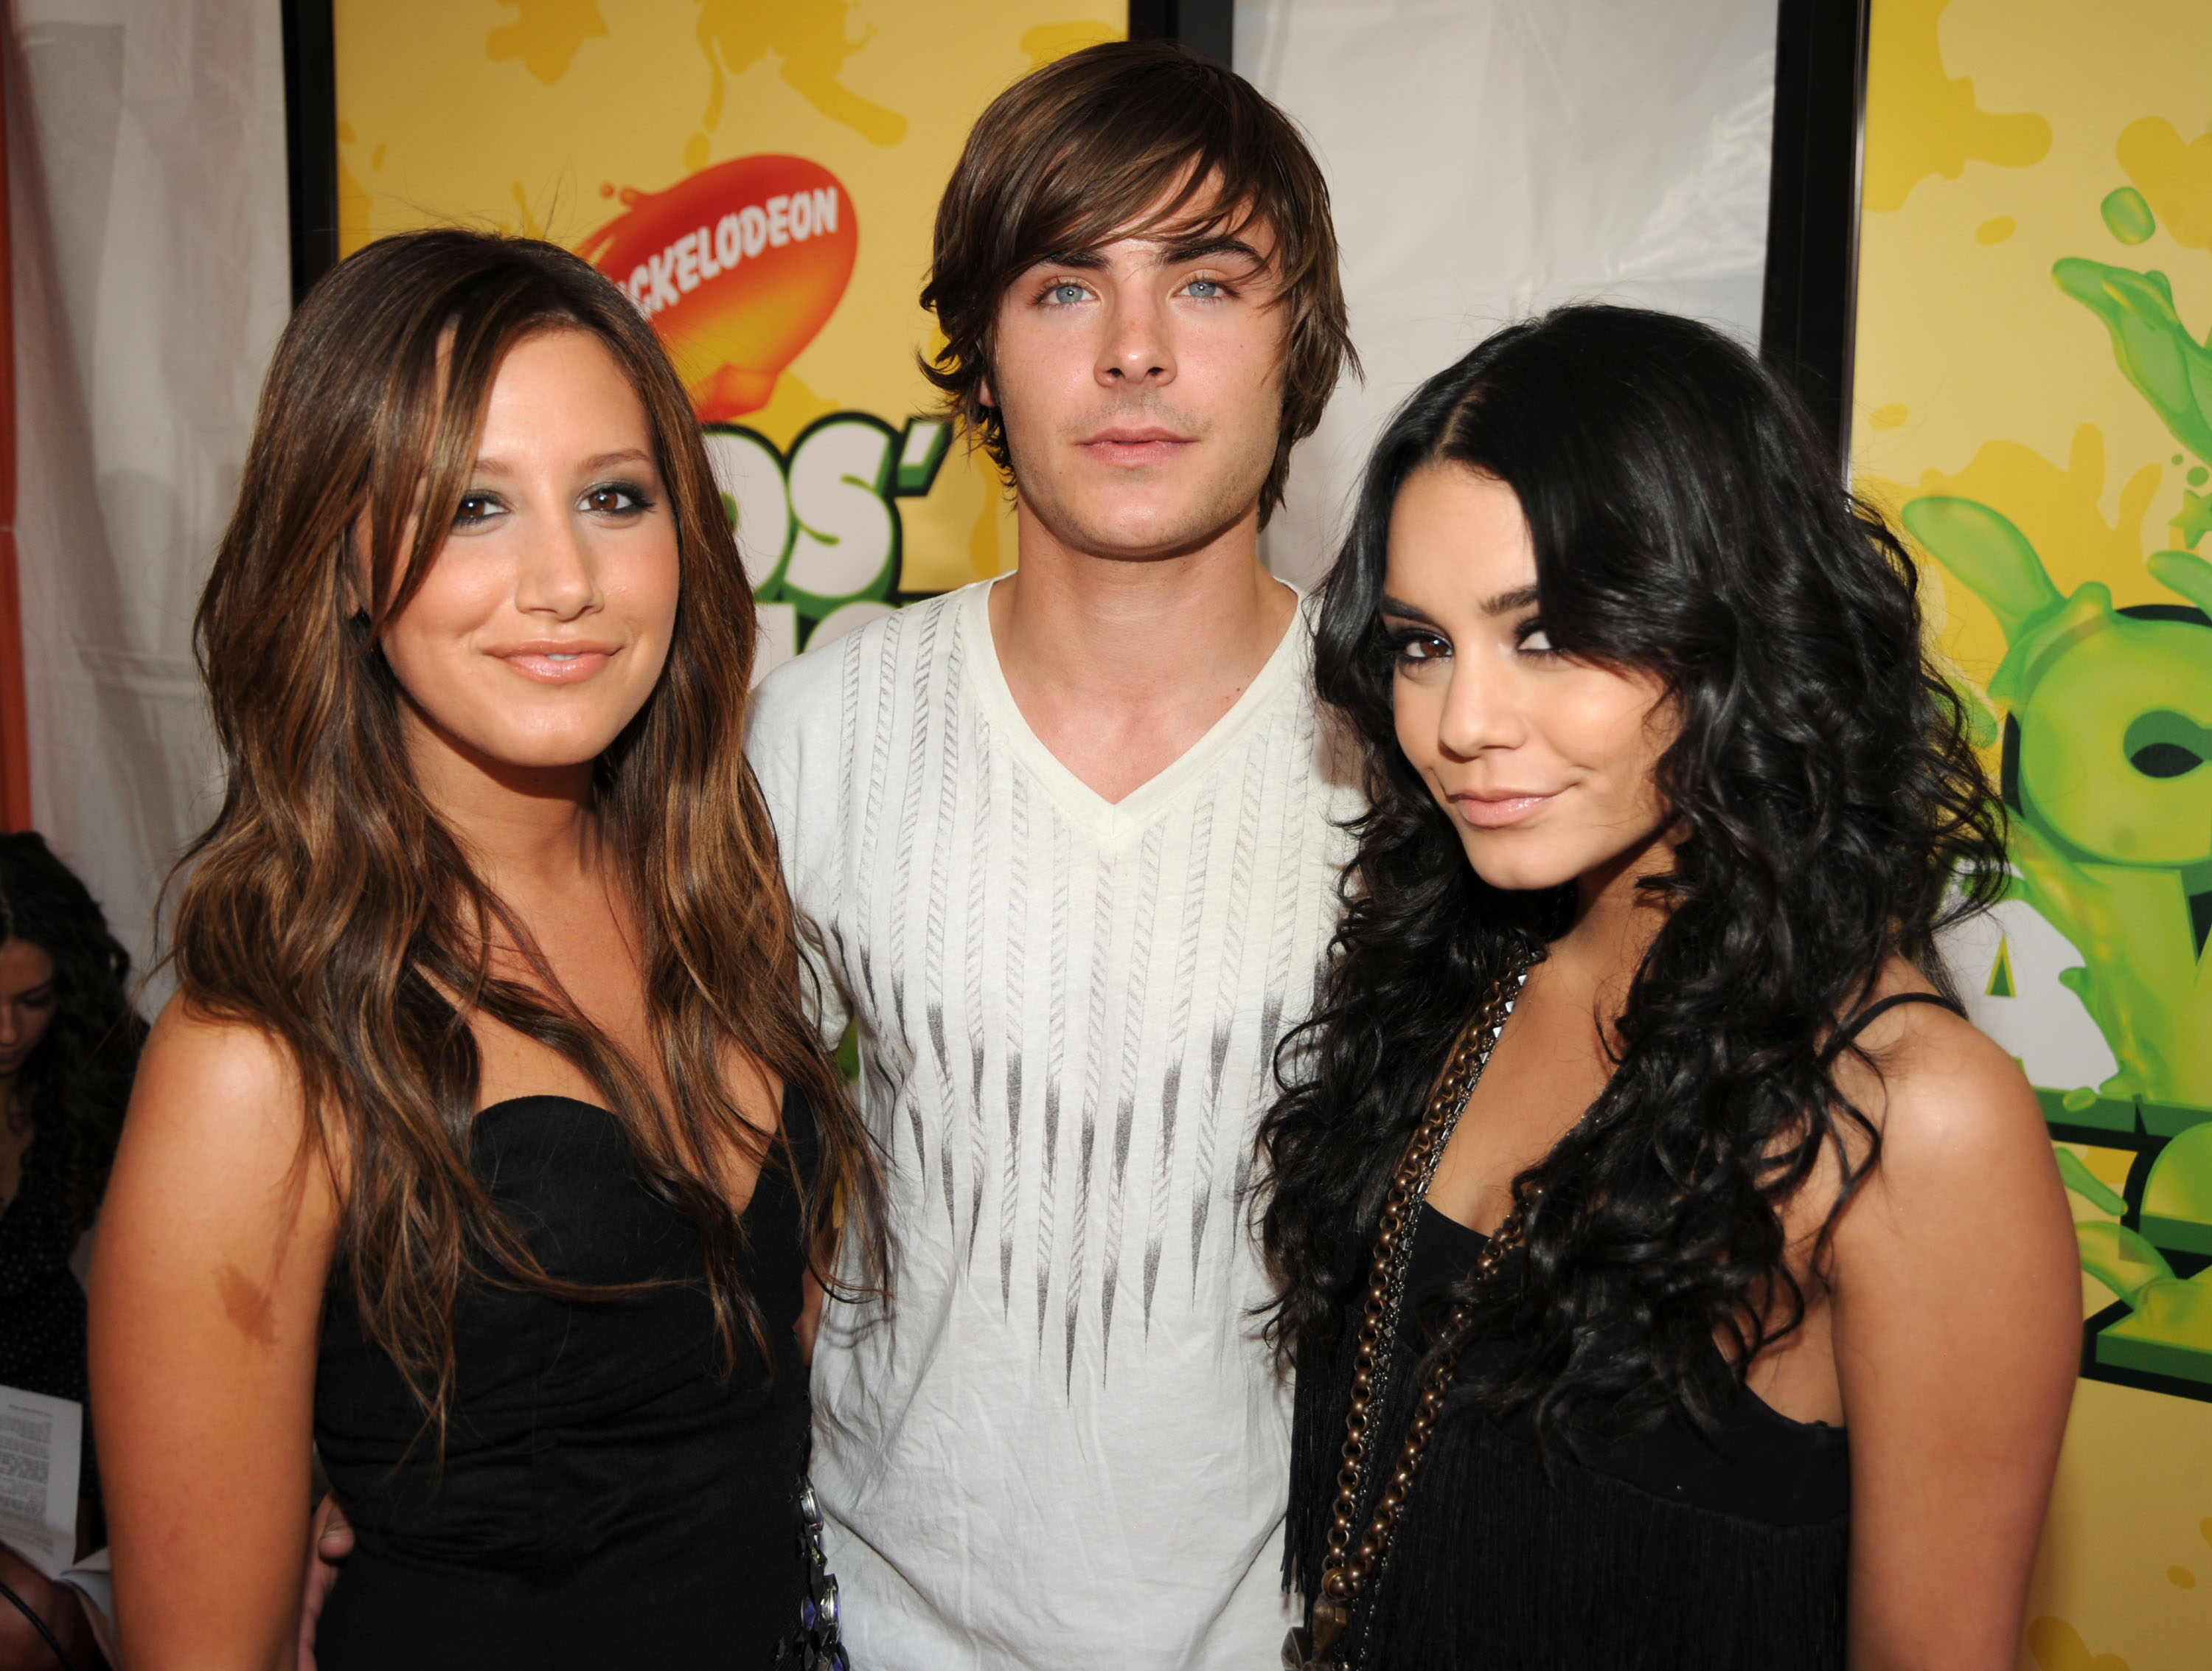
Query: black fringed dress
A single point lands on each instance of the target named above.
(1663, 1551)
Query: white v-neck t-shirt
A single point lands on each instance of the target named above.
(1063, 1443)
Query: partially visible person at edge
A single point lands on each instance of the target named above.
(68, 1043)
(1739, 1306)
(485, 1142)
(1067, 841)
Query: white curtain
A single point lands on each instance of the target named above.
(146, 186)
(1490, 158)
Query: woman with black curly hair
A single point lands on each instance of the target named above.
(68, 1044)
(1673, 1276)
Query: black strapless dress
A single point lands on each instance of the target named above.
(603, 1498)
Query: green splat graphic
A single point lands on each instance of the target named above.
(2177, 1202)
(2001, 972)
(2197, 474)
(2120, 1259)
(2167, 365)
(2195, 519)
(2169, 1333)
(2109, 724)
(2128, 217)
(2083, 1183)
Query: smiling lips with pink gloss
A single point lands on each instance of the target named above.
(557, 661)
(1132, 443)
(1498, 809)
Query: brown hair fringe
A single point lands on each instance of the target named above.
(329, 907)
(1122, 140)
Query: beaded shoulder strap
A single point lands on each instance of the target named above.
(1345, 1570)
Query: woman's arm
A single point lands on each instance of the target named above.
(207, 1293)
(1958, 1332)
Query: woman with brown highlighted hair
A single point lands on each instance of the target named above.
(485, 1141)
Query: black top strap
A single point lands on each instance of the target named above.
(1859, 1023)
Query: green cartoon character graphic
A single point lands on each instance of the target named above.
(2107, 773)
(2108, 776)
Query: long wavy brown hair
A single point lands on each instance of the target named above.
(330, 906)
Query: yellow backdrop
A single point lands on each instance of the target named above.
(2037, 229)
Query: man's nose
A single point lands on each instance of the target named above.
(1138, 348)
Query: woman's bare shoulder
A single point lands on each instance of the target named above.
(1953, 1106)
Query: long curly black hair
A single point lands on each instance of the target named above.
(1689, 522)
(77, 1081)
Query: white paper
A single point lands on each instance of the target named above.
(95, 1583)
(41, 1443)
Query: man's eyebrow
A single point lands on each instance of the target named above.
(1088, 261)
(1203, 249)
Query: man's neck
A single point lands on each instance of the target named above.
(1119, 665)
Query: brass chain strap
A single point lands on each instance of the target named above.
(1345, 1569)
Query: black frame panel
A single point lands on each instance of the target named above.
(310, 139)
(1809, 310)
(1205, 26)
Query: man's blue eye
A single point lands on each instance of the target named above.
(1206, 290)
(1067, 293)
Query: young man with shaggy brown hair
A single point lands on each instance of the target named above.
(1068, 843)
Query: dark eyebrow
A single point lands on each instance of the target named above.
(1088, 261)
(1505, 603)
(1509, 602)
(1180, 255)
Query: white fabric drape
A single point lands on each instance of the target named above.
(146, 166)
(1490, 158)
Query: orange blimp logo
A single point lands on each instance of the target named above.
(738, 266)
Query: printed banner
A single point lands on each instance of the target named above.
(2033, 403)
(760, 176)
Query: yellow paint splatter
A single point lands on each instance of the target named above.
(546, 35)
(2181, 1577)
(1996, 229)
(694, 153)
(2204, 1525)
(2058, 508)
(789, 409)
(1921, 121)
(2058, 1646)
(376, 158)
(1049, 42)
(1889, 416)
(2174, 175)
(808, 37)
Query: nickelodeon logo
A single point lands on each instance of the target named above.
(698, 256)
(738, 266)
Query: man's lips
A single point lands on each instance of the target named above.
(557, 661)
(1135, 444)
(1495, 809)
